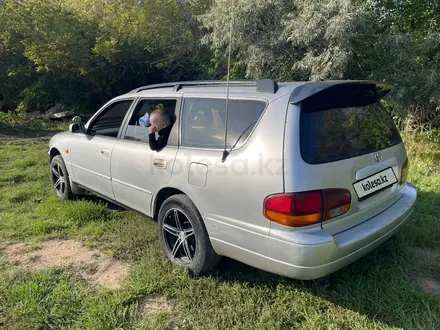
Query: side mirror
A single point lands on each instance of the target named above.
(76, 128)
(76, 119)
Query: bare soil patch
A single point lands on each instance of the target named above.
(92, 264)
(429, 286)
(153, 304)
(422, 257)
(425, 254)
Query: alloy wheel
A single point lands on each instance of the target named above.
(58, 178)
(179, 236)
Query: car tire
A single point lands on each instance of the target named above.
(60, 178)
(185, 242)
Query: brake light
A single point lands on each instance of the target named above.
(404, 172)
(336, 202)
(306, 208)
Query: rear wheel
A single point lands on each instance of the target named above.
(60, 178)
(183, 236)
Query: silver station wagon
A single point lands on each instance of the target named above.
(296, 178)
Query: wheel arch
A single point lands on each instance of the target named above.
(166, 192)
(160, 198)
(53, 152)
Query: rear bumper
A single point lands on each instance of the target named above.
(295, 257)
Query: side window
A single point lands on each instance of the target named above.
(135, 131)
(203, 122)
(110, 119)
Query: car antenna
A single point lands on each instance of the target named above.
(226, 152)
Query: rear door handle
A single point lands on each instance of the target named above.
(105, 152)
(161, 163)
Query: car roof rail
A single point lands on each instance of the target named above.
(263, 86)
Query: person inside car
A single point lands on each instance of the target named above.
(160, 122)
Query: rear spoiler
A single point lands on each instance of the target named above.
(309, 89)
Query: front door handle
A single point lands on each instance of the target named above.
(161, 163)
(105, 152)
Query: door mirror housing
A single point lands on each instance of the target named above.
(77, 128)
(76, 120)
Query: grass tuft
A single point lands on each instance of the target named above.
(49, 299)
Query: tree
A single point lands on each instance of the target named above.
(390, 40)
(82, 52)
(286, 40)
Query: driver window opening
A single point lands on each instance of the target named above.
(110, 120)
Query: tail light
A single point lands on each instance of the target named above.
(404, 172)
(307, 208)
(336, 202)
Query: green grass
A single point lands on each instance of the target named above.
(379, 291)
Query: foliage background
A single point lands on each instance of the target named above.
(83, 52)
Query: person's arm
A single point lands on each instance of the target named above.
(160, 143)
(162, 140)
(152, 141)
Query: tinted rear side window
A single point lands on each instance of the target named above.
(339, 133)
(203, 122)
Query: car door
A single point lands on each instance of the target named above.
(137, 171)
(229, 194)
(90, 153)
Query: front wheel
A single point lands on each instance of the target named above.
(60, 178)
(183, 236)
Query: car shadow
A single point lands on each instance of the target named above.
(346, 288)
(96, 199)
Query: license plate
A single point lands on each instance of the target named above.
(375, 183)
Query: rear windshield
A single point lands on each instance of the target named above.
(344, 132)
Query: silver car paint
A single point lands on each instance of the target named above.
(137, 171)
(90, 159)
(230, 195)
(301, 176)
(134, 175)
